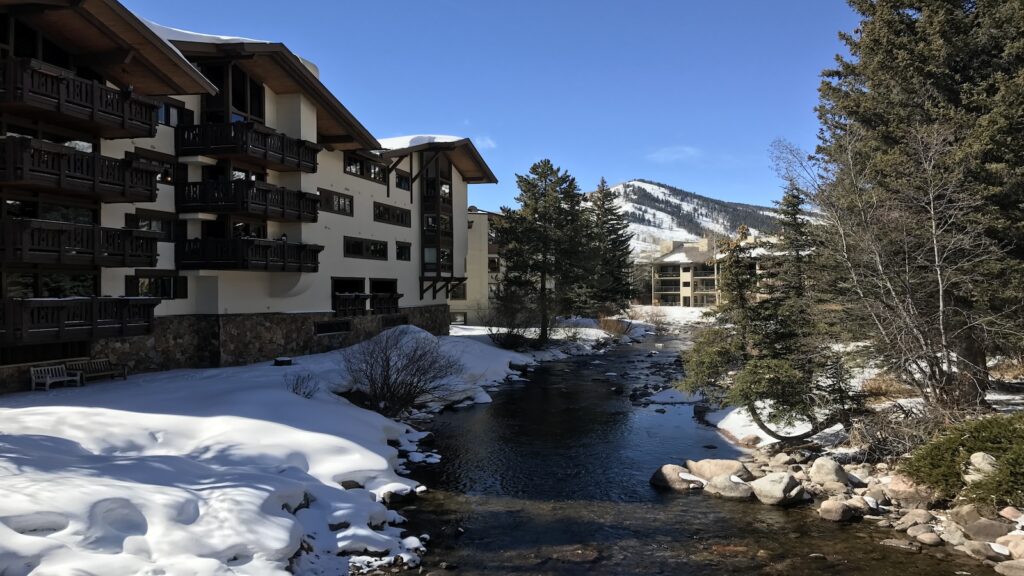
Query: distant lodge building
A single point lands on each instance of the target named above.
(172, 199)
(470, 302)
(686, 275)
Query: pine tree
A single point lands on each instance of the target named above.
(610, 280)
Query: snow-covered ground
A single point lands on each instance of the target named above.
(222, 471)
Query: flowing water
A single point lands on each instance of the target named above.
(552, 478)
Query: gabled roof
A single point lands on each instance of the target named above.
(461, 151)
(283, 72)
(685, 255)
(114, 42)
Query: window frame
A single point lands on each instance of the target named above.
(326, 202)
(366, 168)
(394, 215)
(169, 235)
(177, 284)
(407, 246)
(365, 251)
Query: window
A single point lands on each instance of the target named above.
(240, 98)
(392, 215)
(403, 251)
(493, 264)
(162, 222)
(458, 292)
(49, 284)
(458, 318)
(365, 168)
(364, 248)
(168, 166)
(156, 284)
(403, 180)
(335, 202)
(170, 114)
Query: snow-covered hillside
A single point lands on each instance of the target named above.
(658, 212)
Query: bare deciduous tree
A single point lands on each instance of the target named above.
(399, 368)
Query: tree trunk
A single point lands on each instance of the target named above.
(542, 303)
(816, 427)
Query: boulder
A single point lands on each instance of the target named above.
(878, 495)
(965, 514)
(986, 530)
(981, 465)
(750, 441)
(913, 518)
(826, 470)
(980, 551)
(859, 473)
(915, 531)
(1012, 514)
(778, 489)
(725, 487)
(782, 459)
(835, 511)
(859, 504)
(1014, 543)
(909, 494)
(902, 544)
(754, 469)
(929, 539)
(835, 488)
(953, 534)
(1011, 568)
(711, 468)
(668, 476)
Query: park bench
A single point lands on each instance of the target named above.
(98, 367)
(44, 376)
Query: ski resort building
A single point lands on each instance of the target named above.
(470, 302)
(685, 275)
(172, 199)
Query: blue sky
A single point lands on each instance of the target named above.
(689, 93)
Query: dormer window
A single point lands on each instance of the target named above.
(240, 98)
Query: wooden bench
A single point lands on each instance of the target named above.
(99, 367)
(44, 376)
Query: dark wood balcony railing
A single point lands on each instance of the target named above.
(249, 198)
(40, 165)
(432, 268)
(347, 305)
(250, 142)
(247, 254)
(384, 303)
(33, 88)
(47, 242)
(52, 320)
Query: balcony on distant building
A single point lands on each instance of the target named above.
(25, 241)
(54, 320)
(248, 142)
(250, 198)
(247, 254)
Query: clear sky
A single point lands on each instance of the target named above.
(686, 92)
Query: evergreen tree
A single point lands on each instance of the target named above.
(610, 280)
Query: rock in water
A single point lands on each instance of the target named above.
(725, 487)
(710, 468)
(965, 514)
(828, 470)
(1011, 513)
(668, 476)
(987, 530)
(929, 539)
(902, 544)
(835, 511)
(903, 490)
(1011, 568)
(913, 518)
(778, 489)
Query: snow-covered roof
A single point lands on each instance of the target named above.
(400, 142)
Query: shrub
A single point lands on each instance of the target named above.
(617, 327)
(508, 330)
(942, 462)
(302, 384)
(398, 368)
(890, 433)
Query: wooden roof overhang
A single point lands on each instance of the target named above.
(112, 40)
(463, 155)
(436, 284)
(283, 72)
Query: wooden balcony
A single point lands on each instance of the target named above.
(433, 268)
(347, 304)
(33, 164)
(57, 96)
(249, 142)
(53, 320)
(46, 242)
(384, 303)
(247, 254)
(249, 198)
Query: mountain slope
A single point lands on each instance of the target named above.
(658, 212)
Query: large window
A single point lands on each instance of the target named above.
(363, 167)
(392, 215)
(365, 248)
(403, 251)
(335, 202)
(164, 284)
(403, 180)
(240, 97)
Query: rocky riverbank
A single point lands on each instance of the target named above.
(858, 492)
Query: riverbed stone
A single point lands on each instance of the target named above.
(778, 489)
(901, 544)
(859, 474)
(986, 530)
(1011, 513)
(913, 518)
(953, 533)
(835, 511)
(826, 470)
(754, 469)
(782, 459)
(668, 476)
(859, 504)
(980, 551)
(964, 514)
(835, 488)
(1011, 568)
(915, 531)
(908, 493)
(981, 465)
(724, 487)
(929, 539)
(710, 468)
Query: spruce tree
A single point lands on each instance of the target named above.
(610, 280)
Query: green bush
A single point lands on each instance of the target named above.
(942, 462)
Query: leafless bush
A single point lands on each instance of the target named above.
(302, 384)
(886, 387)
(508, 330)
(617, 327)
(655, 316)
(892, 432)
(397, 368)
(570, 332)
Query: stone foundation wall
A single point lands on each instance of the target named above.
(204, 341)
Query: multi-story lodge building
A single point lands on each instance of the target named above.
(174, 199)
(470, 302)
(686, 275)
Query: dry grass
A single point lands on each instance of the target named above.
(615, 326)
(1008, 370)
(884, 388)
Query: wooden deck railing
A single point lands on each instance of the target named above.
(52, 320)
(247, 254)
(25, 241)
(248, 197)
(38, 164)
(384, 302)
(34, 86)
(347, 305)
(250, 141)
